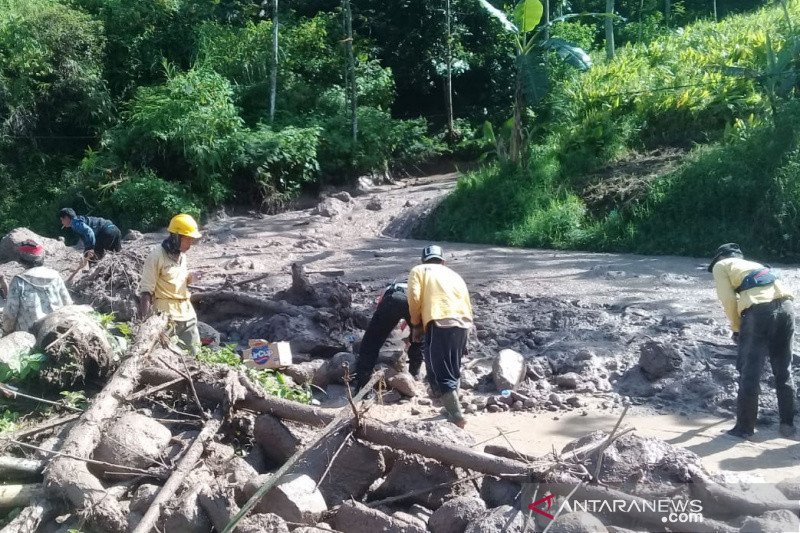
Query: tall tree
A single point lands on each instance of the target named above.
(449, 79)
(273, 77)
(610, 29)
(350, 71)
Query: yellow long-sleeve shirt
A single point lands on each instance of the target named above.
(728, 275)
(168, 281)
(435, 292)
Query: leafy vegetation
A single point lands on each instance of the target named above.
(272, 381)
(720, 92)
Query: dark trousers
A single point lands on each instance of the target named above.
(392, 309)
(107, 239)
(766, 331)
(443, 350)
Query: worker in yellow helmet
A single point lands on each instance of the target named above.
(166, 278)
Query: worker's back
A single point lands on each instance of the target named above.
(438, 293)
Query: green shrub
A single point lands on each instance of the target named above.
(147, 202)
(183, 130)
(276, 164)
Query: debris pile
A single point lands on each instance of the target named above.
(112, 285)
(178, 445)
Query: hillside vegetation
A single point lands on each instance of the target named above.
(674, 146)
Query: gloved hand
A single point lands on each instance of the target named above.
(735, 337)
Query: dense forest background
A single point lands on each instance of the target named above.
(137, 109)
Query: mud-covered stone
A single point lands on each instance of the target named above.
(332, 372)
(403, 383)
(658, 359)
(132, 440)
(354, 517)
(455, 515)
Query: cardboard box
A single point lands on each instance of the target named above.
(263, 354)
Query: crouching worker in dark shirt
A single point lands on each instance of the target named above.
(392, 308)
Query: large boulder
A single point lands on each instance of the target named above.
(455, 515)
(10, 242)
(577, 522)
(333, 207)
(658, 359)
(508, 370)
(303, 334)
(132, 440)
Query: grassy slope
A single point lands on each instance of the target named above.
(738, 183)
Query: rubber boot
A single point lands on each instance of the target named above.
(453, 406)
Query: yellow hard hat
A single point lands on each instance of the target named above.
(184, 224)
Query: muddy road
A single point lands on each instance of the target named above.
(596, 326)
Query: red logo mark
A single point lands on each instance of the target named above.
(535, 506)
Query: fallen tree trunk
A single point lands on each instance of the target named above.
(15, 466)
(376, 432)
(68, 477)
(220, 304)
(721, 500)
(186, 464)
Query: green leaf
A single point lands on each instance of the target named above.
(533, 75)
(528, 14)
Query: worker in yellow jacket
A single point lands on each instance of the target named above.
(166, 278)
(761, 314)
(441, 314)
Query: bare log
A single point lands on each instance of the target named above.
(730, 502)
(226, 303)
(40, 510)
(186, 464)
(68, 477)
(15, 466)
(19, 495)
(375, 432)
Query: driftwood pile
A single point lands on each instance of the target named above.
(174, 445)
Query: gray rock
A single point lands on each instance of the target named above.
(342, 196)
(508, 370)
(790, 488)
(332, 207)
(574, 401)
(132, 440)
(496, 492)
(331, 371)
(403, 383)
(505, 519)
(374, 204)
(771, 522)
(208, 335)
(658, 359)
(570, 380)
(455, 515)
(469, 380)
(294, 499)
(143, 497)
(15, 345)
(577, 522)
(421, 512)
